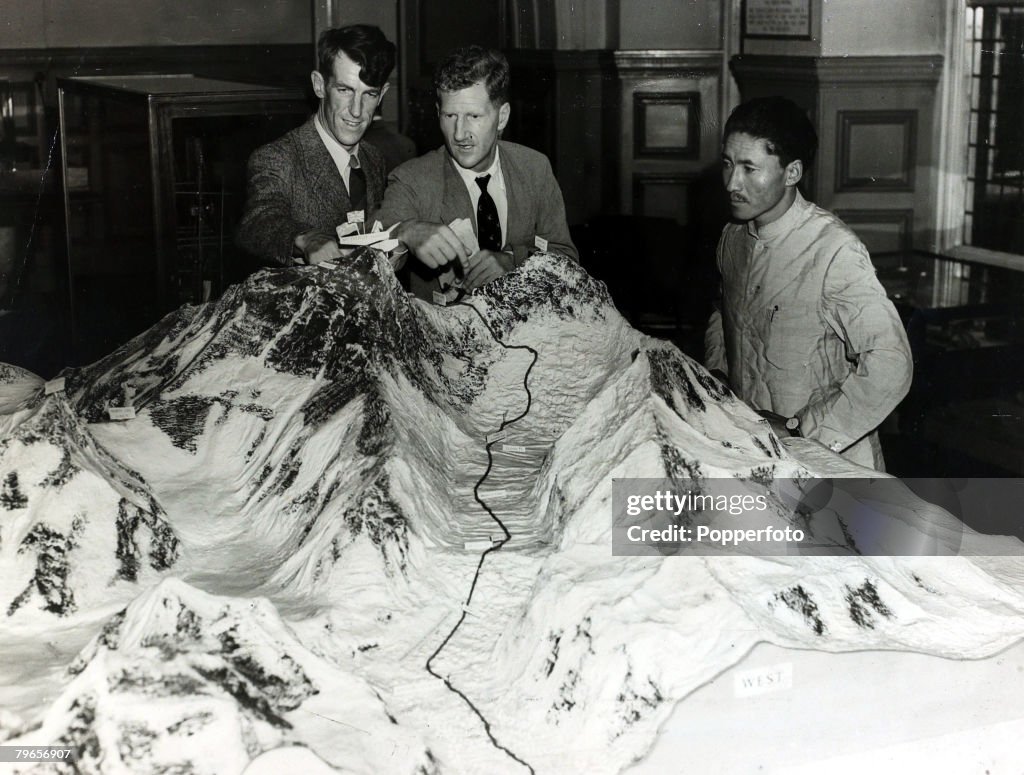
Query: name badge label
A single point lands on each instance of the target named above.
(121, 412)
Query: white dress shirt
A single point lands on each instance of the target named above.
(337, 151)
(495, 187)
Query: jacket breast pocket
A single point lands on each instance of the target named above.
(791, 334)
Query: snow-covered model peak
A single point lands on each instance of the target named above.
(346, 529)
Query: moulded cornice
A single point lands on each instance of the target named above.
(914, 69)
(640, 62)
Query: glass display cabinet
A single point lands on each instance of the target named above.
(965, 323)
(154, 183)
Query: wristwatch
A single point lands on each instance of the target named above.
(793, 426)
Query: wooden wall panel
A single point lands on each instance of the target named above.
(881, 231)
(565, 104)
(876, 150)
(666, 125)
(662, 195)
(686, 83)
(668, 25)
(633, 138)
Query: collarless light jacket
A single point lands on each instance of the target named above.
(805, 329)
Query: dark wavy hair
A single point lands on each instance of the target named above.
(365, 45)
(472, 64)
(781, 123)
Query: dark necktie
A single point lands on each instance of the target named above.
(488, 227)
(356, 184)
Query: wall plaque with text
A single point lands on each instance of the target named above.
(777, 19)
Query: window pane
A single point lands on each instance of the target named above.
(995, 168)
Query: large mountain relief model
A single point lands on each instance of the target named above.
(345, 530)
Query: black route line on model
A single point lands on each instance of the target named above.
(495, 546)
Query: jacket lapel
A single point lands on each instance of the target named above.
(455, 201)
(327, 194)
(519, 218)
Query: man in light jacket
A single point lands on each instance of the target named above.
(805, 333)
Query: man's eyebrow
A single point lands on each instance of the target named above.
(739, 160)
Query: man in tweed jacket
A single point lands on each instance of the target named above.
(301, 186)
(524, 206)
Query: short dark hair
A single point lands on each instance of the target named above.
(781, 123)
(472, 64)
(365, 45)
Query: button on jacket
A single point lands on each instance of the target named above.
(806, 330)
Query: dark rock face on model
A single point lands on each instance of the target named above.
(261, 561)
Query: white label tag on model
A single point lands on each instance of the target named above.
(763, 680)
(513, 448)
(327, 265)
(54, 386)
(440, 299)
(541, 243)
(496, 436)
(121, 412)
(347, 228)
(355, 239)
(355, 216)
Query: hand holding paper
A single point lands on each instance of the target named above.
(432, 243)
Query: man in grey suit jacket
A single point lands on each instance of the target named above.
(507, 191)
(301, 186)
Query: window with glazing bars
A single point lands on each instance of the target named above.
(994, 207)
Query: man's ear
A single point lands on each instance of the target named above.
(794, 172)
(383, 91)
(503, 113)
(319, 88)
